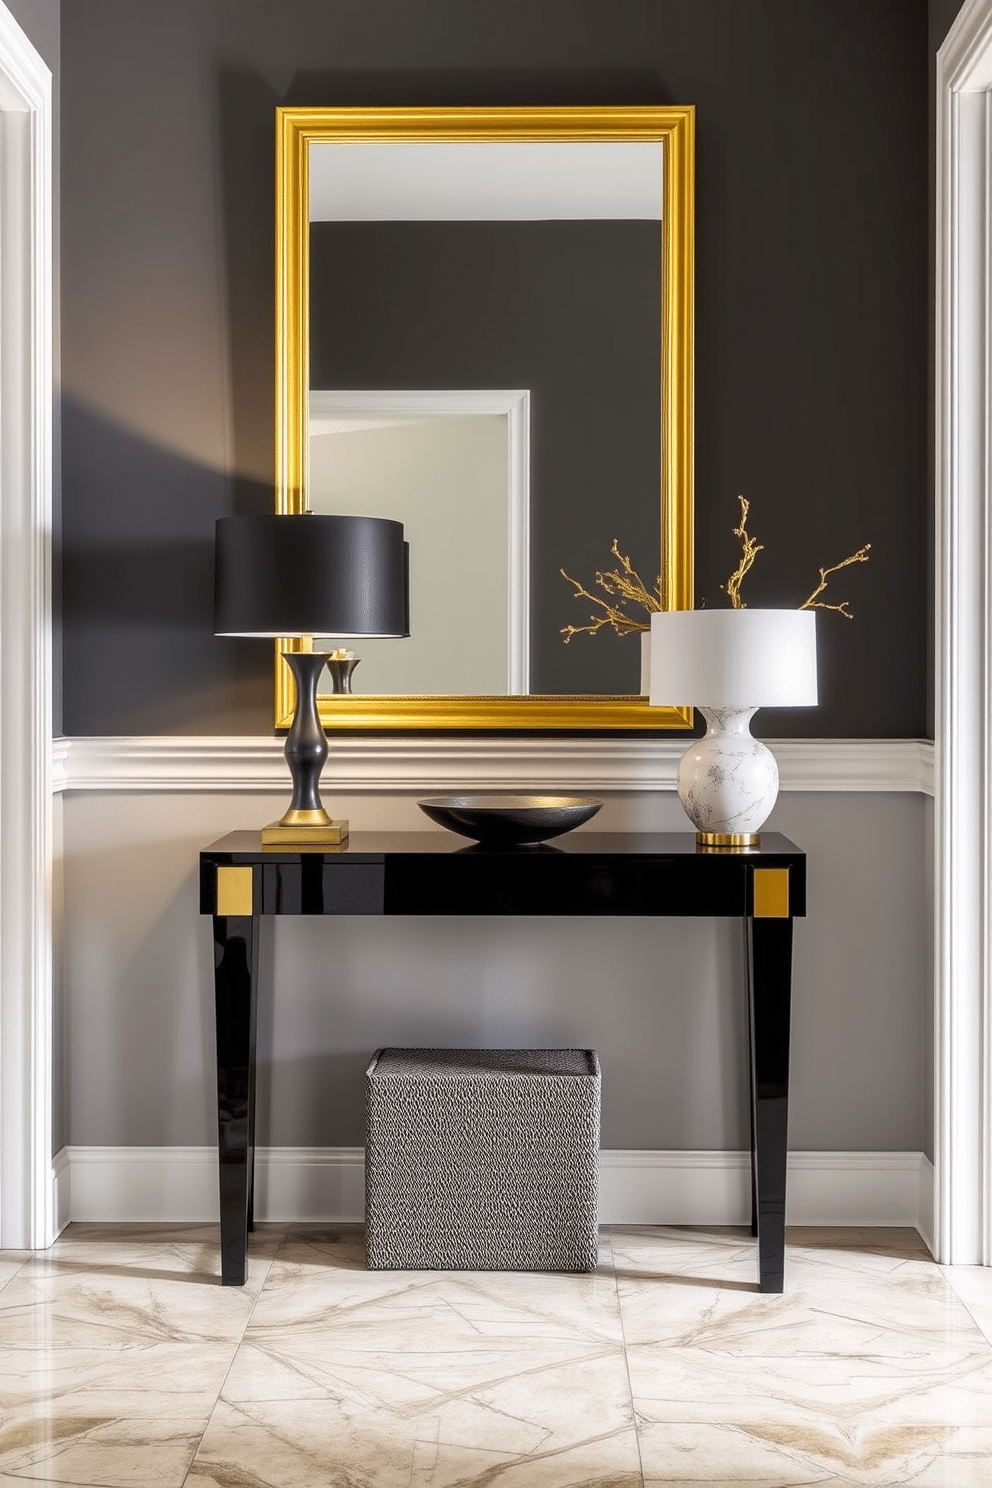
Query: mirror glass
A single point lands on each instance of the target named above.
(486, 335)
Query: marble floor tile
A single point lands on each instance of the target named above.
(99, 1451)
(905, 1308)
(114, 1345)
(859, 1423)
(868, 1369)
(514, 1438)
(519, 1375)
(319, 1280)
(973, 1284)
(155, 1286)
(124, 1362)
(11, 1262)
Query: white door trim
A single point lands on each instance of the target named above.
(963, 644)
(26, 1212)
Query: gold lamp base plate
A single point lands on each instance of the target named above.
(727, 841)
(298, 834)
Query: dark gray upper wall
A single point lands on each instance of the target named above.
(40, 21)
(810, 320)
(941, 15)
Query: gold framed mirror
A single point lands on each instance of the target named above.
(654, 144)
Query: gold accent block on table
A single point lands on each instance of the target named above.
(278, 834)
(771, 893)
(234, 895)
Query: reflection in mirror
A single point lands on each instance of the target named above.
(474, 264)
(546, 251)
(452, 467)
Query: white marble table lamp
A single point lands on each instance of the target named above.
(729, 663)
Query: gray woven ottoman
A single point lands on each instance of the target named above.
(482, 1159)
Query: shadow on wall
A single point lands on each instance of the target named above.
(136, 560)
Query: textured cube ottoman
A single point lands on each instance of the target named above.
(482, 1159)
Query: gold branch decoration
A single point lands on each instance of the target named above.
(625, 586)
(816, 603)
(749, 551)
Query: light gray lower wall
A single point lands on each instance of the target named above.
(60, 1055)
(661, 1001)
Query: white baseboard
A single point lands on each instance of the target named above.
(179, 1184)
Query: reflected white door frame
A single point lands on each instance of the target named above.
(26, 1190)
(512, 404)
(963, 644)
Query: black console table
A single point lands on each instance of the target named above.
(435, 873)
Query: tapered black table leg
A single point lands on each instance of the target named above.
(769, 963)
(750, 1082)
(235, 998)
(252, 1040)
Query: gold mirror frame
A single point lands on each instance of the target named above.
(674, 129)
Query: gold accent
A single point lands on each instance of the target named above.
(816, 603)
(360, 713)
(304, 818)
(674, 127)
(302, 834)
(771, 894)
(749, 551)
(234, 891)
(628, 587)
(713, 840)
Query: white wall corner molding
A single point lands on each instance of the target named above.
(179, 1184)
(399, 765)
(26, 1216)
(927, 1199)
(60, 764)
(963, 645)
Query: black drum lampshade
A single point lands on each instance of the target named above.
(309, 576)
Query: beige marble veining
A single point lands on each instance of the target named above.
(123, 1362)
(10, 1263)
(973, 1284)
(114, 1345)
(475, 1372)
(868, 1373)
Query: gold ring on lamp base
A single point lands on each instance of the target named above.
(296, 818)
(727, 841)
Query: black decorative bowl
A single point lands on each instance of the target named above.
(510, 821)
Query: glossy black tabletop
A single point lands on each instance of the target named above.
(582, 873)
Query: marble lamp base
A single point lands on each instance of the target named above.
(728, 780)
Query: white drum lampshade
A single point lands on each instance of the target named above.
(729, 663)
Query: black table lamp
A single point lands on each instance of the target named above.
(304, 576)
